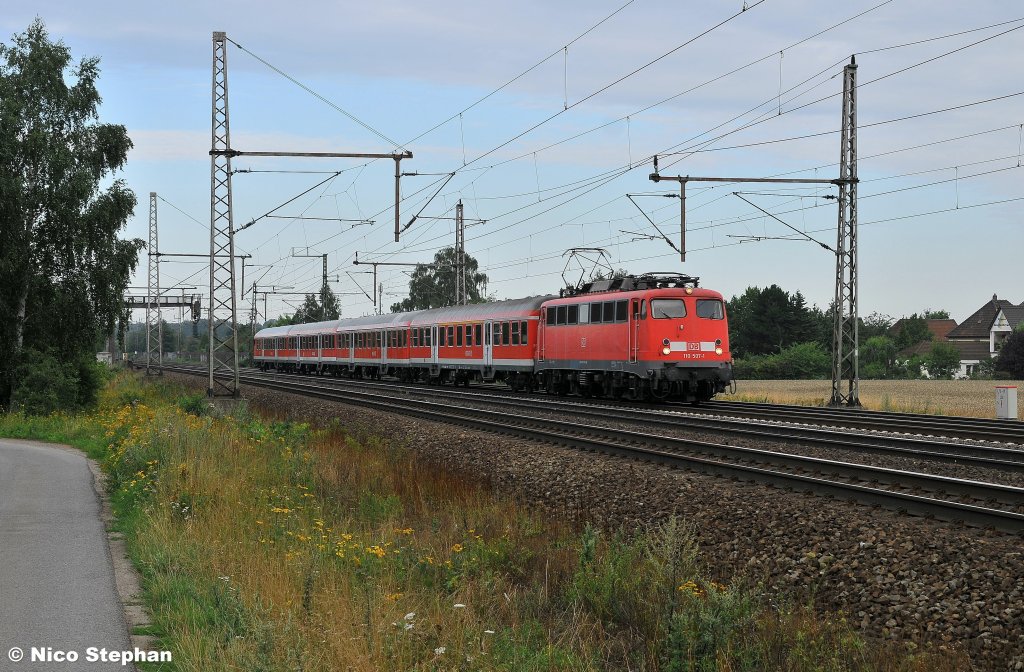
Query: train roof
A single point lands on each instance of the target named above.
(493, 310)
(613, 294)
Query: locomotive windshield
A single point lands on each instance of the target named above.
(710, 309)
(667, 309)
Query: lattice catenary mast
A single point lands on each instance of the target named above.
(461, 290)
(154, 321)
(223, 351)
(845, 342)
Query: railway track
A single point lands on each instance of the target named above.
(901, 445)
(942, 427)
(972, 502)
(981, 429)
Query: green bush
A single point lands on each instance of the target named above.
(44, 384)
(800, 361)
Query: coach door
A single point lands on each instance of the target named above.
(634, 329)
(488, 352)
(433, 344)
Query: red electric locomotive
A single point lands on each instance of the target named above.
(658, 335)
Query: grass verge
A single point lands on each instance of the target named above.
(270, 545)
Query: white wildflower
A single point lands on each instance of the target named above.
(439, 650)
(411, 615)
(460, 606)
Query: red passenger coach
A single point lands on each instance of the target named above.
(658, 336)
(484, 341)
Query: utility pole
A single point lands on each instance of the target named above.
(154, 321)
(845, 338)
(223, 352)
(461, 297)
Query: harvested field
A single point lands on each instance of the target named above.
(975, 398)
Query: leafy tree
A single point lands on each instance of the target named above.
(282, 321)
(765, 321)
(935, 314)
(60, 254)
(878, 356)
(433, 285)
(875, 324)
(318, 309)
(913, 330)
(943, 360)
(1011, 356)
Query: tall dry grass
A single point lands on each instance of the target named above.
(973, 398)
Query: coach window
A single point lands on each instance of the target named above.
(584, 313)
(451, 336)
(710, 309)
(668, 309)
(621, 311)
(469, 335)
(458, 336)
(596, 313)
(574, 315)
(506, 332)
(551, 315)
(496, 328)
(523, 332)
(478, 329)
(515, 333)
(415, 338)
(561, 313)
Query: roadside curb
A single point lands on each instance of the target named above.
(126, 578)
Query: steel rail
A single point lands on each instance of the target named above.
(552, 430)
(1009, 431)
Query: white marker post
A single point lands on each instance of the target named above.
(1006, 402)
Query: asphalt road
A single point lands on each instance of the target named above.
(56, 577)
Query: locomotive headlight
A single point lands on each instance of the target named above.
(718, 351)
(689, 290)
(666, 350)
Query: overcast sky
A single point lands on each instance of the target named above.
(403, 67)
